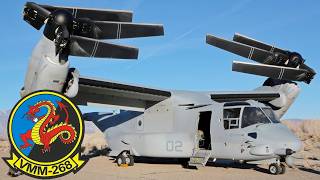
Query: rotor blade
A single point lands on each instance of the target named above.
(87, 47)
(243, 50)
(252, 42)
(311, 72)
(258, 44)
(95, 14)
(35, 15)
(276, 72)
(116, 30)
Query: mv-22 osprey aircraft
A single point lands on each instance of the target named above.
(198, 126)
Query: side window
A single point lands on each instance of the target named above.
(231, 118)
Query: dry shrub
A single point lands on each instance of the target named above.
(311, 128)
(309, 132)
(4, 146)
(307, 129)
(93, 139)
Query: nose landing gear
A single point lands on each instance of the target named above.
(277, 168)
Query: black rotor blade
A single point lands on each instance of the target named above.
(35, 15)
(87, 47)
(276, 72)
(311, 72)
(95, 14)
(258, 44)
(243, 50)
(116, 30)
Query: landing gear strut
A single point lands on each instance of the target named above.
(276, 168)
(125, 159)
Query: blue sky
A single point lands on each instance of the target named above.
(181, 59)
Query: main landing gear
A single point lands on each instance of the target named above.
(124, 159)
(277, 168)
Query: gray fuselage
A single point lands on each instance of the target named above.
(169, 129)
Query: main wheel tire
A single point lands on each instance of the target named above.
(274, 169)
(120, 160)
(131, 160)
(283, 168)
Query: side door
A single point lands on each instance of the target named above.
(217, 131)
(235, 136)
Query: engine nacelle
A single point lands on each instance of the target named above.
(46, 70)
(288, 92)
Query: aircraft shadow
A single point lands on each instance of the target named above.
(149, 160)
(236, 165)
(309, 170)
(95, 152)
(184, 162)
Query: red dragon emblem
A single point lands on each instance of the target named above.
(48, 128)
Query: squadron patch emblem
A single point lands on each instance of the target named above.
(45, 130)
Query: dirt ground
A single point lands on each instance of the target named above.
(307, 163)
(103, 167)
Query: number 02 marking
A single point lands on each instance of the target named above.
(174, 146)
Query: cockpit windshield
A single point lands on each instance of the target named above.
(269, 112)
(256, 115)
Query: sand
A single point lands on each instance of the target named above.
(307, 164)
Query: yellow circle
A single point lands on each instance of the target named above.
(40, 93)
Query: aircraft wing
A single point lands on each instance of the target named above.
(262, 96)
(118, 94)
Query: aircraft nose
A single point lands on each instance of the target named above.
(296, 145)
(282, 140)
(291, 141)
(287, 150)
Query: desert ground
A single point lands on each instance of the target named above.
(102, 167)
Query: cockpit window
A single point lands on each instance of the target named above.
(253, 115)
(231, 118)
(269, 112)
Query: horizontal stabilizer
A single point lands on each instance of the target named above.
(87, 47)
(238, 96)
(275, 72)
(95, 14)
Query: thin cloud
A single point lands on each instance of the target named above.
(233, 10)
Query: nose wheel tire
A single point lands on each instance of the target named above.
(283, 168)
(276, 169)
